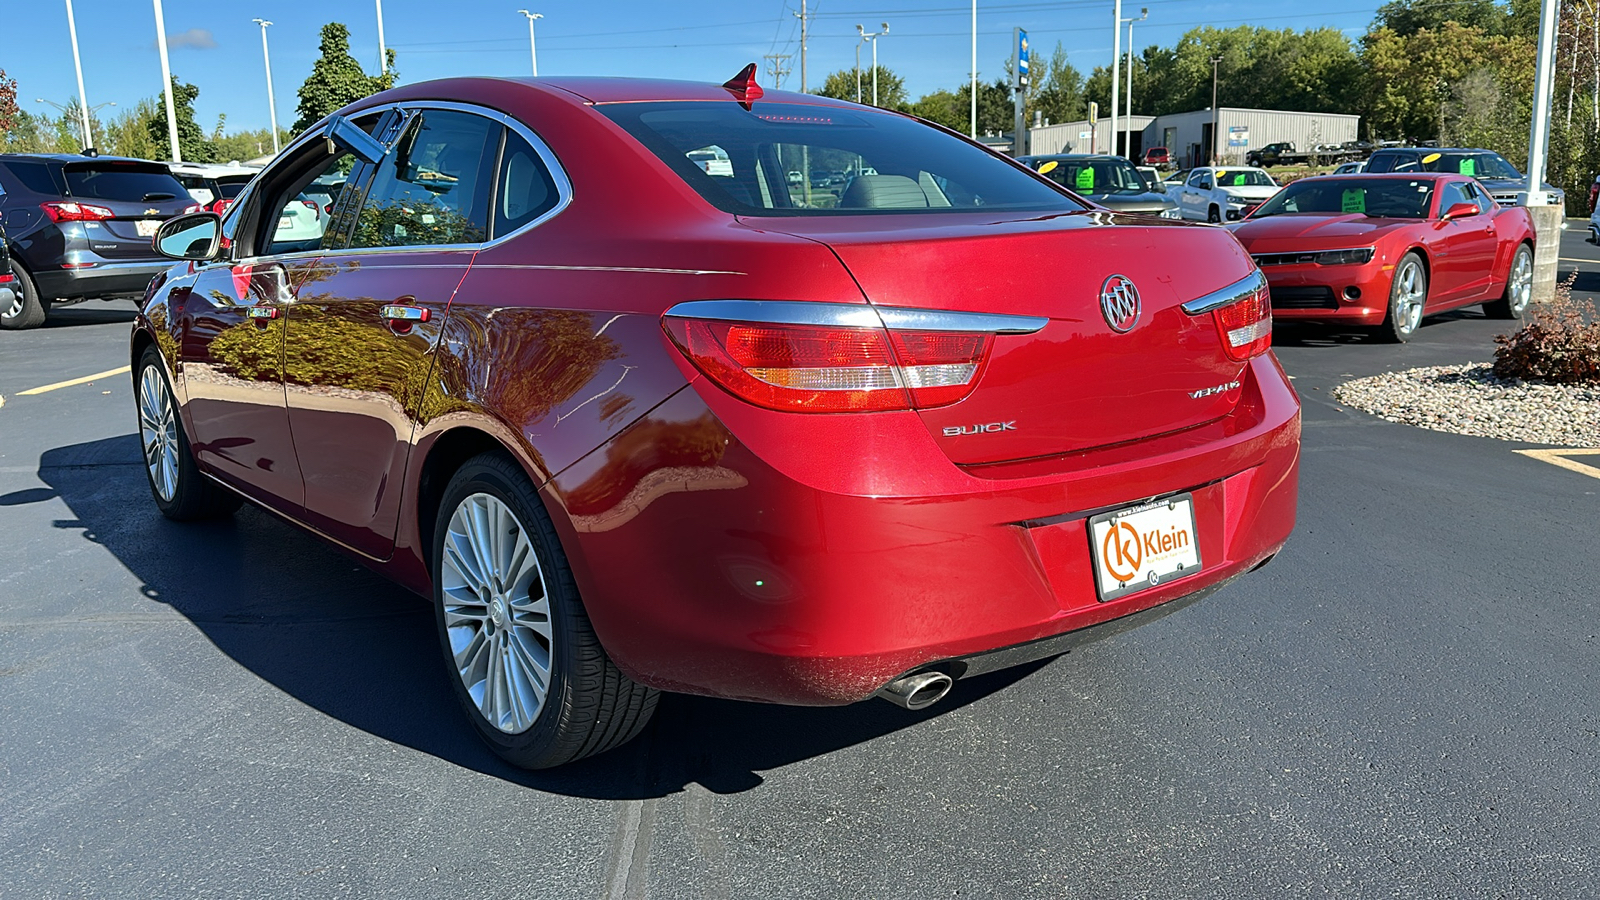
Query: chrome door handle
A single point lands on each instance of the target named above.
(399, 313)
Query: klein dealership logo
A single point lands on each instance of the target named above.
(1125, 549)
(1119, 302)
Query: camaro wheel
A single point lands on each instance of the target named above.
(1519, 287)
(26, 309)
(525, 662)
(1407, 296)
(180, 491)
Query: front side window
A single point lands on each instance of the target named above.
(1450, 195)
(432, 187)
(796, 160)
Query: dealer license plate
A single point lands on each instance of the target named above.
(146, 227)
(1137, 548)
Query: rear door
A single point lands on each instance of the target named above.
(367, 318)
(140, 195)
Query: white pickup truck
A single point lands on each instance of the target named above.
(1222, 193)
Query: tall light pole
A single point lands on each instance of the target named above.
(1214, 61)
(533, 51)
(974, 98)
(1116, 69)
(383, 52)
(873, 37)
(68, 108)
(1144, 13)
(272, 105)
(166, 83)
(77, 62)
(863, 34)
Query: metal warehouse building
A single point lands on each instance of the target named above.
(1188, 135)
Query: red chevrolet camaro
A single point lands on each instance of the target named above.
(666, 386)
(1386, 250)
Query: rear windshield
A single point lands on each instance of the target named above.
(130, 183)
(1386, 198)
(792, 160)
(1476, 163)
(231, 189)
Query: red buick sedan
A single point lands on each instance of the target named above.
(664, 386)
(1386, 250)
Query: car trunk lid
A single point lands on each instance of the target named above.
(140, 195)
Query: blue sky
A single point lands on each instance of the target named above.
(217, 48)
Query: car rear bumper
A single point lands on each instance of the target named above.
(811, 559)
(102, 279)
(1352, 295)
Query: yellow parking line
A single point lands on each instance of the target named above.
(1559, 458)
(84, 380)
(1574, 259)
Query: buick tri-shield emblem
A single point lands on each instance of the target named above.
(1119, 301)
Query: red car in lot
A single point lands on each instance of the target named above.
(639, 425)
(1157, 156)
(1386, 250)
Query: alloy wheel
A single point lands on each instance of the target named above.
(15, 309)
(1409, 298)
(497, 613)
(1521, 289)
(158, 429)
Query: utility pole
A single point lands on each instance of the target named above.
(166, 83)
(1144, 13)
(1214, 61)
(272, 105)
(1539, 137)
(776, 67)
(533, 51)
(383, 52)
(974, 97)
(77, 62)
(1116, 70)
(862, 33)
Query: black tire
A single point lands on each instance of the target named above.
(193, 496)
(1213, 216)
(29, 309)
(1519, 287)
(589, 706)
(1402, 321)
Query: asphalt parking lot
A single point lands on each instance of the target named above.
(1402, 704)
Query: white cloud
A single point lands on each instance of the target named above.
(194, 38)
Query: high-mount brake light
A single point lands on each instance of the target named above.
(1245, 325)
(854, 363)
(70, 211)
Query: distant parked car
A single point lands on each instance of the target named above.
(1350, 168)
(213, 185)
(81, 226)
(1109, 181)
(1152, 177)
(1223, 193)
(1594, 218)
(1157, 156)
(1385, 250)
(1508, 186)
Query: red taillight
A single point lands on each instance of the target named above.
(1245, 325)
(825, 368)
(192, 208)
(329, 208)
(7, 278)
(309, 204)
(221, 206)
(69, 211)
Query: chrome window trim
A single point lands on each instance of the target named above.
(1233, 293)
(855, 315)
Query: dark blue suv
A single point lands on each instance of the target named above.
(80, 227)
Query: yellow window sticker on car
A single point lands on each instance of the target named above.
(1238, 179)
(1353, 201)
(1469, 166)
(1085, 179)
(1049, 167)
(1430, 158)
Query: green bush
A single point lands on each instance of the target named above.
(1559, 342)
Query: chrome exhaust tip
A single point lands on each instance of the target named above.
(918, 690)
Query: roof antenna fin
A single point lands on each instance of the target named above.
(744, 88)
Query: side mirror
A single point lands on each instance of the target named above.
(196, 237)
(1459, 211)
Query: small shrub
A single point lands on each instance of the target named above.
(1559, 342)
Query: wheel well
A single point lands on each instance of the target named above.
(141, 340)
(1427, 264)
(448, 453)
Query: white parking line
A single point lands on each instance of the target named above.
(76, 381)
(1559, 458)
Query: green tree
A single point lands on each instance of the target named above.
(130, 133)
(841, 85)
(1057, 89)
(192, 142)
(1407, 17)
(8, 103)
(337, 80)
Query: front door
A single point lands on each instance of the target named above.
(367, 317)
(1464, 252)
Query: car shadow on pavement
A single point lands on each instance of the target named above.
(1304, 334)
(327, 632)
(92, 312)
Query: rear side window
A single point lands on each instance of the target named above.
(794, 160)
(526, 188)
(131, 183)
(31, 176)
(432, 187)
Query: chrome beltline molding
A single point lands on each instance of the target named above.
(855, 315)
(1233, 293)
